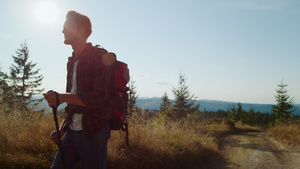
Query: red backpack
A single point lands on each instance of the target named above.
(119, 97)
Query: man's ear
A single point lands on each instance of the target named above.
(82, 32)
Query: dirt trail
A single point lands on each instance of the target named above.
(256, 150)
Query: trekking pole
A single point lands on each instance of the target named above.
(59, 144)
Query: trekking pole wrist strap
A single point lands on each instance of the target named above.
(57, 99)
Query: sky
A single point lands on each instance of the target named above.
(233, 50)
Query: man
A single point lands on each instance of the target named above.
(86, 126)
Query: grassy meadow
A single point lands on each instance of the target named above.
(185, 144)
(24, 142)
(24, 139)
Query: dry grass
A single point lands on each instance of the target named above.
(246, 127)
(24, 143)
(177, 145)
(286, 133)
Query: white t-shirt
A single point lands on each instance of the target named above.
(76, 124)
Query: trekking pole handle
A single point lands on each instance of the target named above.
(57, 98)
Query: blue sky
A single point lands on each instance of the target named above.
(233, 50)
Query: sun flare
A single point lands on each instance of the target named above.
(46, 12)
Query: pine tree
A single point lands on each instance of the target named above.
(240, 113)
(251, 117)
(165, 106)
(6, 90)
(184, 103)
(232, 113)
(132, 98)
(283, 108)
(6, 95)
(25, 79)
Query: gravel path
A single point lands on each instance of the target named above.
(255, 150)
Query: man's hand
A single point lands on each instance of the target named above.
(54, 136)
(51, 98)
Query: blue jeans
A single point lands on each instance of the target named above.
(90, 151)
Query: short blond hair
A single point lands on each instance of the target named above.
(80, 20)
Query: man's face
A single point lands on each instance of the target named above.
(71, 33)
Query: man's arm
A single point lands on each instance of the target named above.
(63, 98)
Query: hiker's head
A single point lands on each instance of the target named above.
(77, 26)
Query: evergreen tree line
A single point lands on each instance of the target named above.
(22, 82)
(237, 113)
(184, 107)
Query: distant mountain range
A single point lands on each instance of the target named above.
(211, 105)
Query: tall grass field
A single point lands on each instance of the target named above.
(153, 144)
